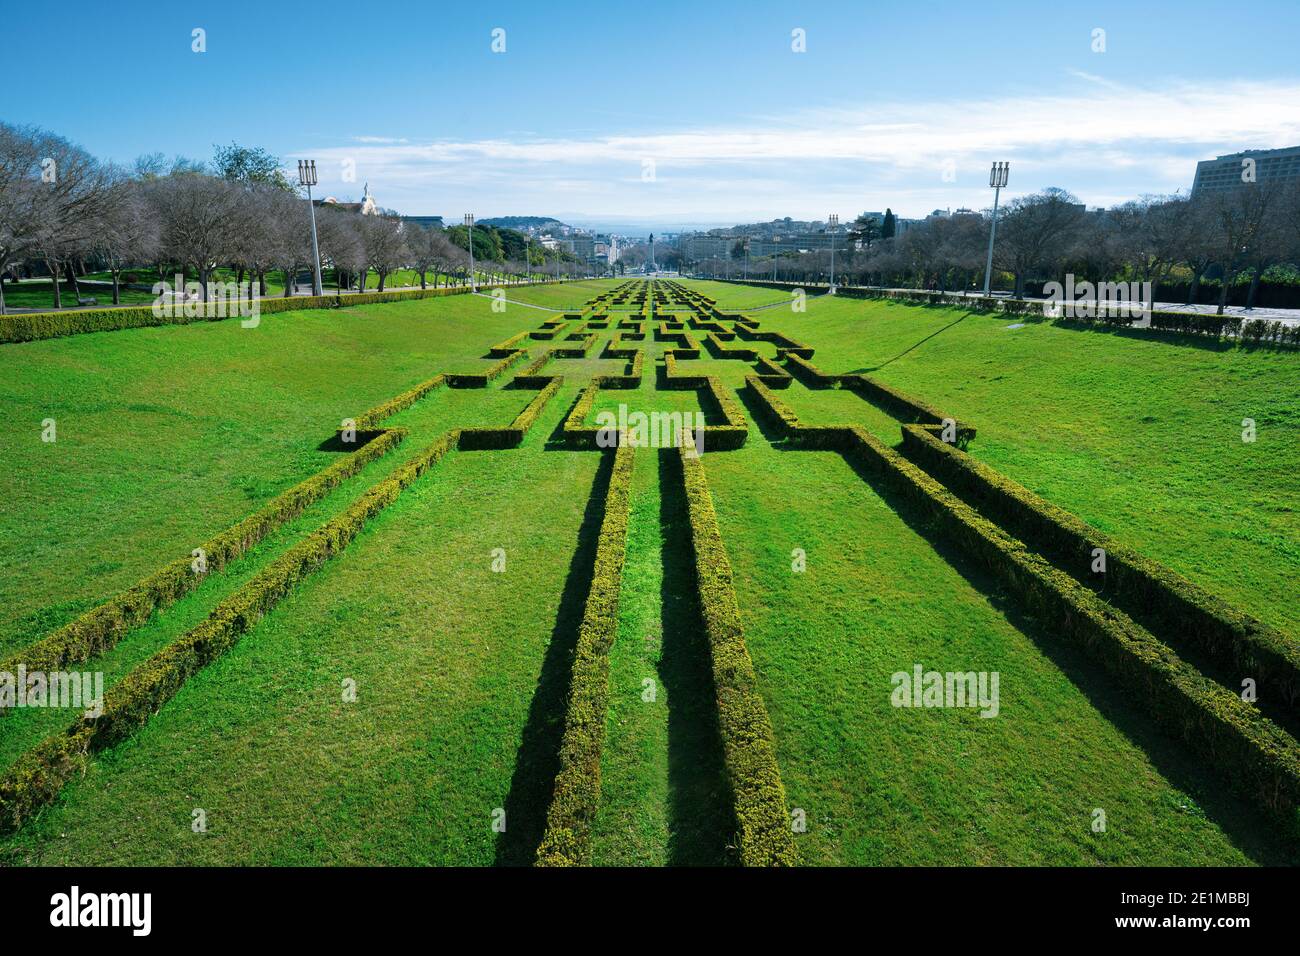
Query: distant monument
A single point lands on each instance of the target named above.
(650, 262)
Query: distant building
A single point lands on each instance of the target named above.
(366, 207)
(424, 222)
(1234, 169)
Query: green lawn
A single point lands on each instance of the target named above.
(1141, 438)
(168, 435)
(885, 786)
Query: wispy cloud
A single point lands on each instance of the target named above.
(1103, 140)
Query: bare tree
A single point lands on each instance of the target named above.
(1036, 233)
(126, 232)
(385, 245)
(199, 220)
(1243, 220)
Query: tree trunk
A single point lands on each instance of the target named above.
(54, 274)
(424, 284)
(117, 295)
(1223, 293)
(72, 278)
(1194, 287)
(1254, 287)
(382, 277)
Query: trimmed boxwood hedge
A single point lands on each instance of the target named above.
(896, 403)
(394, 405)
(1187, 612)
(38, 776)
(1253, 754)
(510, 436)
(31, 326)
(100, 628)
(481, 379)
(575, 798)
(764, 833)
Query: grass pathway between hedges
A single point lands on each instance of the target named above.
(886, 785)
(664, 794)
(446, 655)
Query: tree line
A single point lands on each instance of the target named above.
(65, 213)
(1231, 235)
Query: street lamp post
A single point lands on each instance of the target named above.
(833, 224)
(469, 241)
(307, 177)
(997, 179)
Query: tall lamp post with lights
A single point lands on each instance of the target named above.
(307, 177)
(997, 179)
(469, 241)
(833, 223)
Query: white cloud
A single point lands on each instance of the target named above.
(1105, 141)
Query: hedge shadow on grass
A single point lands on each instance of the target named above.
(911, 348)
(702, 822)
(538, 759)
(1251, 829)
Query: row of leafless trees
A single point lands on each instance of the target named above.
(62, 209)
(1243, 230)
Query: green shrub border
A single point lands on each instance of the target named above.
(575, 799)
(100, 628)
(1227, 635)
(39, 775)
(764, 833)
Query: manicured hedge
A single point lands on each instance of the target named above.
(896, 403)
(509, 346)
(576, 434)
(775, 410)
(764, 832)
(1250, 751)
(773, 375)
(38, 776)
(99, 629)
(510, 436)
(576, 795)
(27, 327)
(723, 351)
(575, 351)
(380, 413)
(1191, 614)
(481, 379)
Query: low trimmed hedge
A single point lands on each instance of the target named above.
(764, 833)
(481, 379)
(32, 326)
(512, 435)
(1250, 751)
(575, 798)
(722, 351)
(1185, 610)
(509, 346)
(380, 413)
(776, 411)
(894, 402)
(576, 434)
(37, 777)
(577, 351)
(100, 628)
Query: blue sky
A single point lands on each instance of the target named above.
(673, 113)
